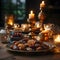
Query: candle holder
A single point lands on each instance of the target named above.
(10, 22)
(41, 15)
(31, 19)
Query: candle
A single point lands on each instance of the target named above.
(57, 39)
(10, 22)
(57, 43)
(31, 15)
(42, 5)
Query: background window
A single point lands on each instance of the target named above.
(15, 7)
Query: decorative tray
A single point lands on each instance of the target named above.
(50, 49)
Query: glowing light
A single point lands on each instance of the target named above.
(57, 39)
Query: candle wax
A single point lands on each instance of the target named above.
(31, 15)
(42, 4)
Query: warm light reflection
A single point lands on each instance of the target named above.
(37, 37)
(15, 26)
(47, 27)
(23, 27)
(37, 25)
(57, 43)
(57, 50)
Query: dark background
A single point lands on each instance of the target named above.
(52, 10)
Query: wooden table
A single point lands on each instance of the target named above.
(5, 55)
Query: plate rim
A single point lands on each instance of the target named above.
(12, 50)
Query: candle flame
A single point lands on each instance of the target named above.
(11, 23)
(31, 12)
(57, 39)
(43, 2)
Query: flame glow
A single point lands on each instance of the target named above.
(43, 2)
(10, 22)
(57, 39)
(31, 12)
(37, 24)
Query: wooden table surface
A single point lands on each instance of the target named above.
(5, 55)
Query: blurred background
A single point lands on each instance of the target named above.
(21, 8)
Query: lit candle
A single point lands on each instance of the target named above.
(57, 39)
(31, 15)
(57, 43)
(42, 5)
(10, 22)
